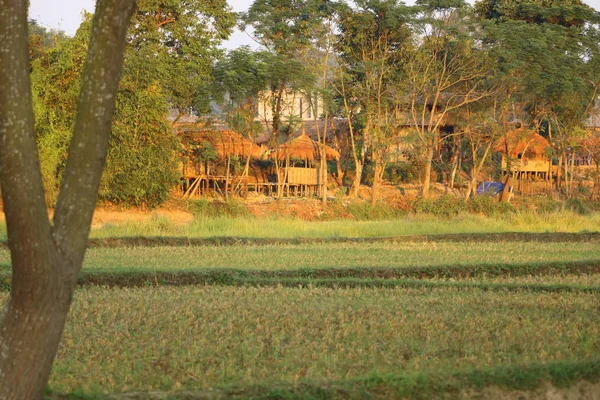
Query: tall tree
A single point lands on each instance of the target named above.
(372, 39)
(319, 59)
(171, 47)
(169, 54)
(238, 80)
(283, 28)
(176, 43)
(56, 79)
(554, 77)
(46, 258)
(446, 72)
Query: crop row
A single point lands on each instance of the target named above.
(178, 241)
(565, 276)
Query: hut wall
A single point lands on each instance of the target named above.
(192, 169)
(527, 165)
(303, 176)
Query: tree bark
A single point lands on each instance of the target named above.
(427, 170)
(46, 259)
(379, 167)
(358, 167)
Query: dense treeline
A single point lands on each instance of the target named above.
(452, 77)
(455, 77)
(170, 51)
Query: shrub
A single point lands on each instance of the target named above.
(400, 172)
(207, 208)
(489, 206)
(449, 206)
(141, 168)
(445, 206)
(579, 206)
(381, 211)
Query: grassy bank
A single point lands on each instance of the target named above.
(524, 381)
(201, 337)
(248, 226)
(410, 225)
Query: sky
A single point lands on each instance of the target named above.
(66, 15)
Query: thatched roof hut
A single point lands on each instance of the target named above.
(225, 142)
(523, 143)
(305, 148)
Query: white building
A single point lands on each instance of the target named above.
(295, 105)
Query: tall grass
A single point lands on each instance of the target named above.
(273, 227)
(246, 225)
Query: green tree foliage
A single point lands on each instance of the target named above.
(175, 43)
(41, 38)
(548, 56)
(372, 40)
(567, 13)
(238, 80)
(140, 168)
(284, 28)
(170, 48)
(56, 78)
(447, 70)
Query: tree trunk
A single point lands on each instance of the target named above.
(472, 185)
(508, 182)
(376, 181)
(427, 170)
(453, 171)
(358, 168)
(30, 343)
(227, 177)
(340, 172)
(559, 173)
(566, 165)
(46, 259)
(571, 173)
(476, 169)
(323, 168)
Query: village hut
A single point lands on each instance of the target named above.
(305, 149)
(524, 154)
(226, 143)
(204, 148)
(307, 178)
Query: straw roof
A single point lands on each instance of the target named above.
(521, 141)
(225, 142)
(311, 128)
(305, 148)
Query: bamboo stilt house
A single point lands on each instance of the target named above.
(305, 179)
(208, 156)
(525, 152)
(305, 149)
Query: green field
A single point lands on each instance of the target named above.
(287, 227)
(204, 337)
(421, 317)
(330, 255)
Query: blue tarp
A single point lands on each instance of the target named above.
(491, 188)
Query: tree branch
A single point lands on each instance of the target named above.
(22, 189)
(89, 145)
